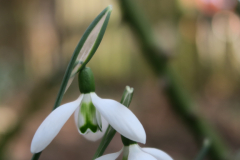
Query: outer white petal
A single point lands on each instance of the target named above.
(51, 126)
(120, 118)
(76, 117)
(111, 156)
(96, 136)
(136, 153)
(160, 155)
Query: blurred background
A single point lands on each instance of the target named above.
(37, 39)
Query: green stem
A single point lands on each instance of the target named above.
(126, 141)
(36, 156)
(108, 136)
(180, 101)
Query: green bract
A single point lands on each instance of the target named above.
(126, 141)
(86, 81)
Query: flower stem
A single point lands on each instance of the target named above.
(126, 141)
(126, 100)
(36, 156)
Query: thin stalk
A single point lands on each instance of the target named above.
(36, 156)
(108, 136)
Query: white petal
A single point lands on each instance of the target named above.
(76, 117)
(111, 156)
(135, 153)
(52, 125)
(99, 119)
(120, 118)
(96, 136)
(160, 155)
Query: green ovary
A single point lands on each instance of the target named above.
(88, 113)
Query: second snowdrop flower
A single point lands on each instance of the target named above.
(132, 151)
(90, 112)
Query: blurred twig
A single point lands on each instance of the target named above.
(158, 60)
(237, 10)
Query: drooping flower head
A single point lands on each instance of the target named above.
(132, 151)
(90, 113)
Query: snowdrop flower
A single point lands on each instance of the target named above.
(132, 151)
(90, 112)
(135, 152)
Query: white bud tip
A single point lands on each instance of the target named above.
(110, 7)
(129, 89)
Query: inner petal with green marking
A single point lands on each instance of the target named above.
(89, 119)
